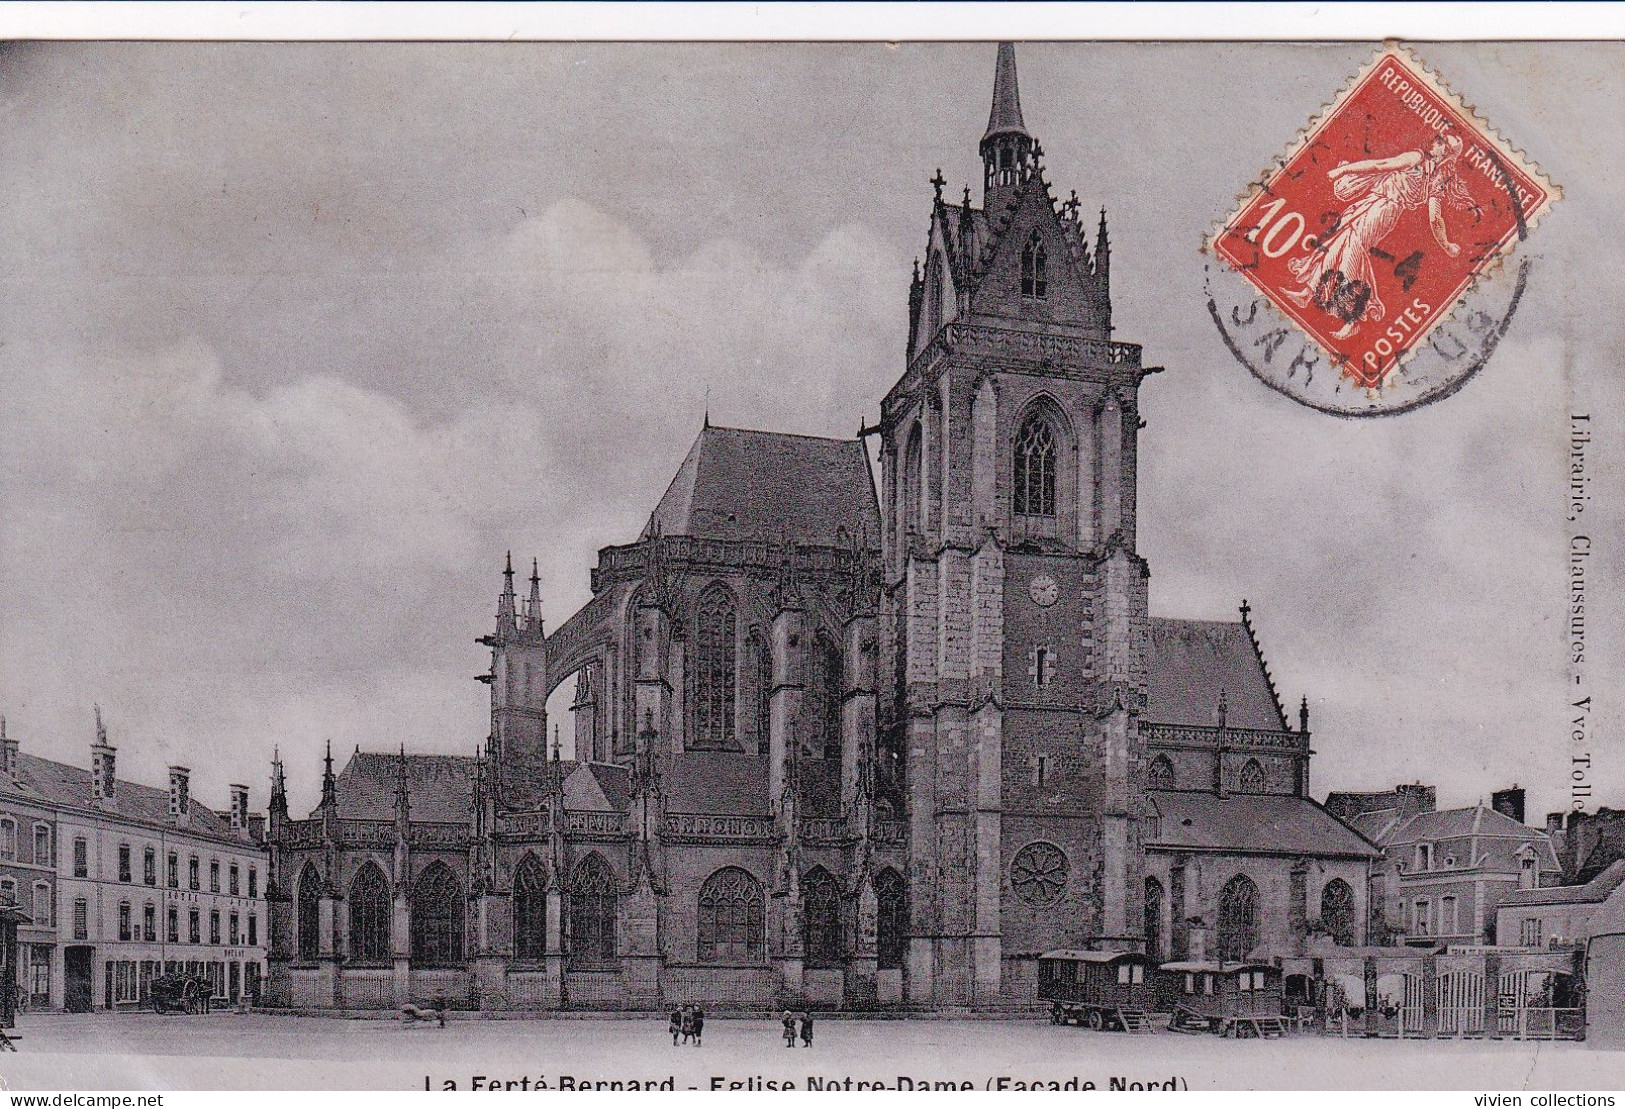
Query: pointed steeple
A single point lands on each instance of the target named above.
(329, 784)
(1005, 118)
(403, 794)
(1007, 149)
(507, 617)
(279, 787)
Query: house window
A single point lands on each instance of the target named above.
(174, 925)
(214, 875)
(1449, 923)
(253, 882)
(214, 926)
(891, 924)
(1034, 268)
(43, 855)
(42, 905)
(8, 891)
(81, 919)
(124, 862)
(530, 910)
(194, 927)
(192, 873)
(1424, 856)
(253, 930)
(174, 872)
(233, 934)
(437, 918)
(1529, 932)
(369, 915)
(1424, 917)
(149, 922)
(81, 859)
(1035, 469)
(1238, 918)
(234, 884)
(731, 917)
(821, 918)
(124, 920)
(715, 632)
(8, 838)
(149, 867)
(594, 903)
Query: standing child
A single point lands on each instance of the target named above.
(688, 1023)
(676, 1026)
(789, 1023)
(806, 1029)
(699, 1024)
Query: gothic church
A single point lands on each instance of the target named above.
(844, 742)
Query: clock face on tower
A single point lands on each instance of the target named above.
(1043, 590)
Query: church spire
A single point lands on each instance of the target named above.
(533, 604)
(507, 620)
(1008, 157)
(330, 794)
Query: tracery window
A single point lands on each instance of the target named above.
(1039, 873)
(1035, 469)
(830, 686)
(594, 901)
(1034, 268)
(1161, 774)
(309, 911)
(1252, 777)
(891, 925)
(369, 915)
(437, 918)
(530, 910)
(913, 453)
(1238, 918)
(1337, 912)
(1153, 918)
(732, 920)
(716, 632)
(821, 918)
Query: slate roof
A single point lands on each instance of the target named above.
(764, 485)
(1596, 891)
(57, 783)
(1376, 824)
(718, 783)
(1478, 820)
(1005, 115)
(1252, 823)
(441, 787)
(1193, 660)
(596, 786)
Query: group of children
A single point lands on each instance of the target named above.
(789, 1023)
(687, 1023)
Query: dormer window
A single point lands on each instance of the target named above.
(1034, 269)
(1424, 856)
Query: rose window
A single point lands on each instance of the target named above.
(1039, 873)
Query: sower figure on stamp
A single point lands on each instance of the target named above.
(1338, 276)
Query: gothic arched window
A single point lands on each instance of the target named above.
(829, 689)
(369, 915)
(1337, 912)
(911, 481)
(594, 903)
(716, 631)
(1238, 918)
(1252, 777)
(309, 900)
(731, 918)
(437, 918)
(891, 924)
(529, 910)
(933, 293)
(1153, 918)
(1034, 268)
(1035, 469)
(1161, 774)
(821, 918)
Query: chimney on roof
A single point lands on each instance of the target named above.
(1508, 802)
(180, 796)
(103, 764)
(239, 809)
(8, 752)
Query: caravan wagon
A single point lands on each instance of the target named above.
(1103, 989)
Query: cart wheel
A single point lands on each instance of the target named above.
(1096, 1022)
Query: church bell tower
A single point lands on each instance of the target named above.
(1014, 611)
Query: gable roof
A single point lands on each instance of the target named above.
(57, 783)
(1475, 820)
(441, 787)
(1254, 823)
(1193, 660)
(766, 485)
(1596, 891)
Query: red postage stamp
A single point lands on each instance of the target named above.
(1382, 216)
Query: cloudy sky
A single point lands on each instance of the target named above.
(296, 341)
